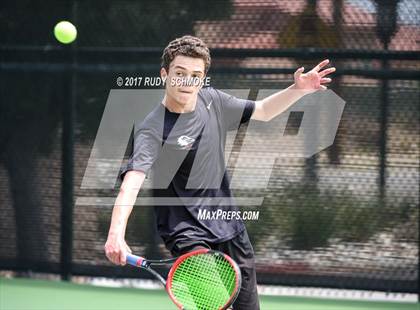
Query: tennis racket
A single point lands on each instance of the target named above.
(203, 279)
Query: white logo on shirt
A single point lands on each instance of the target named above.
(208, 106)
(185, 142)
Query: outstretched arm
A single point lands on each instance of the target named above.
(304, 83)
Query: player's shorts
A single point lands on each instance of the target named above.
(240, 249)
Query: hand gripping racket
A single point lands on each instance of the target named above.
(199, 280)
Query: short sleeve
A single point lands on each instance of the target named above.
(234, 111)
(145, 152)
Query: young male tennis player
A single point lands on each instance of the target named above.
(195, 120)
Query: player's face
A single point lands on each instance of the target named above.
(184, 79)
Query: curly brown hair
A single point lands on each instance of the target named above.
(187, 46)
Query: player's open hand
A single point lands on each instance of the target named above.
(116, 250)
(315, 79)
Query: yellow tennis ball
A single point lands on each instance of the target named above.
(65, 32)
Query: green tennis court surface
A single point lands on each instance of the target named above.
(23, 294)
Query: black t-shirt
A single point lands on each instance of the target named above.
(185, 153)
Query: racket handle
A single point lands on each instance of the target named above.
(134, 260)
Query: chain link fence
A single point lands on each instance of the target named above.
(346, 217)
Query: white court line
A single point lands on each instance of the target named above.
(274, 290)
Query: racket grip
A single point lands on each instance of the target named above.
(134, 260)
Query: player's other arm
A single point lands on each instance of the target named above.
(116, 248)
(304, 83)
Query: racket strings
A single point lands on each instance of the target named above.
(204, 282)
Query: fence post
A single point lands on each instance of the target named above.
(67, 184)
